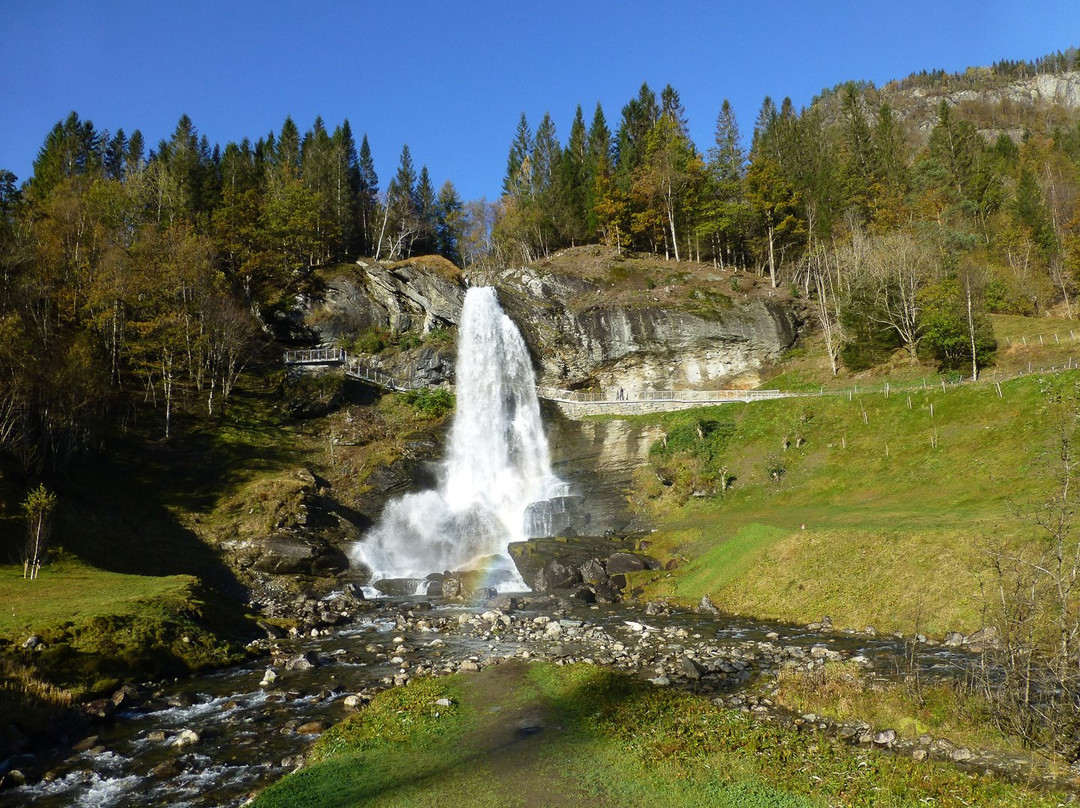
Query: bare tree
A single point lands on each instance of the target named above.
(899, 267)
(1034, 681)
(823, 268)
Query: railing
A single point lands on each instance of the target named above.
(638, 396)
(316, 356)
(357, 370)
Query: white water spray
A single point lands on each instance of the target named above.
(497, 465)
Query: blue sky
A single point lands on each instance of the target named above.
(451, 78)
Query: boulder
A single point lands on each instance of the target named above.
(706, 606)
(398, 587)
(303, 662)
(622, 563)
(186, 737)
(593, 572)
(556, 574)
(292, 554)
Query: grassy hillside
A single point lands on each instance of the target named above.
(872, 509)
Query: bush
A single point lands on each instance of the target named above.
(869, 343)
(946, 336)
(430, 402)
(370, 341)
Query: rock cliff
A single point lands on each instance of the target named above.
(588, 319)
(646, 345)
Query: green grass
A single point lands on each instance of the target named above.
(69, 591)
(880, 516)
(845, 692)
(604, 739)
(100, 628)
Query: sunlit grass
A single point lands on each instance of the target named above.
(603, 739)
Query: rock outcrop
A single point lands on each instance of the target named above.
(641, 347)
(581, 332)
(419, 296)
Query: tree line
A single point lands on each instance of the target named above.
(129, 278)
(901, 239)
(132, 280)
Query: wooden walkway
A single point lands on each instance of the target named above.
(572, 403)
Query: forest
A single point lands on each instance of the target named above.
(135, 280)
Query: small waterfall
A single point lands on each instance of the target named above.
(496, 468)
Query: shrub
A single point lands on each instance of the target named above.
(430, 402)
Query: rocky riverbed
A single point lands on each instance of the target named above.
(216, 739)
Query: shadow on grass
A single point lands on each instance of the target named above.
(558, 739)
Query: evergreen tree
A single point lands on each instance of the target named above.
(346, 188)
(72, 148)
(764, 128)
(859, 152)
(178, 181)
(450, 223)
(597, 164)
(115, 153)
(134, 157)
(545, 155)
(287, 151)
(368, 192)
(638, 117)
(726, 157)
(570, 185)
(722, 217)
(518, 173)
(426, 239)
(401, 222)
(672, 107)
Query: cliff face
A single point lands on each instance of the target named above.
(650, 346)
(583, 330)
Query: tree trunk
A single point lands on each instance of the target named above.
(772, 257)
(971, 334)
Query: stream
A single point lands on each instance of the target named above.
(214, 739)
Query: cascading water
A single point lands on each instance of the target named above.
(497, 466)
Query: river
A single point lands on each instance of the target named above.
(247, 732)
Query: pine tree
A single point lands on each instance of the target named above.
(570, 185)
(134, 158)
(345, 188)
(516, 181)
(545, 155)
(401, 223)
(115, 152)
(72, 148)
(368, 192)
(638, 117)
(726, 157)
(598, 163)
(287, 152)
(672, 107)
(426, 239)
(449, 223)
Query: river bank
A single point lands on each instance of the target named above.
(214, 739)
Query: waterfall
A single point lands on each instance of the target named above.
(497, 465)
